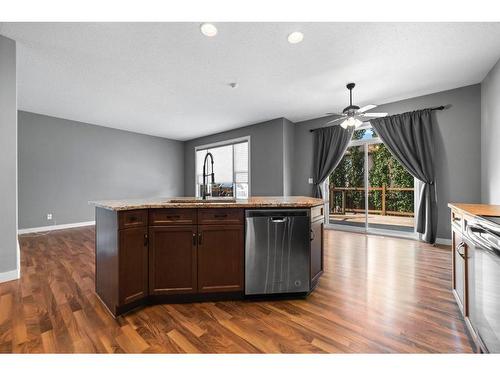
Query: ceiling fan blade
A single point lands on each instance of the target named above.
(336, 120)
(366, 108)
(374, 114)
(334, 114)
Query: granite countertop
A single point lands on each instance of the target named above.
(476, 209)
(192, 202)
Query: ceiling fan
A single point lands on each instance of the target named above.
(353, 115)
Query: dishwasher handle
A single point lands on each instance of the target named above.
(474, 233)
(278, 219)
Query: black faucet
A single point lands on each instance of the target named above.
(205, 175)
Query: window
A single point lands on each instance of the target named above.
(231, 166)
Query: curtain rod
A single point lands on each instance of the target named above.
(440, 108)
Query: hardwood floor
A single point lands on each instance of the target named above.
(378, 295)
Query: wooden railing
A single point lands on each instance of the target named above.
(383, 189)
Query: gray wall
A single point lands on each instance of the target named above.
(63, 164)
(266, 157)
(458, 147)
(490, 137)
(8, 160)
(288, 156)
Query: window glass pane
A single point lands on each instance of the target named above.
(364, 134)
(241, 157)
(230, 167)
(241, 177)
(242, 191)
(223, 163)
(200, 155)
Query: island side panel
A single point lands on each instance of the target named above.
(317, 244)
(106, 257)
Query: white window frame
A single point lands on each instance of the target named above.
(226, 143)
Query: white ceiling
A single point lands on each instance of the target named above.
(167, 79)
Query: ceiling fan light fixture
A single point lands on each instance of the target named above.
(351, 121)
(353, 115)
(295, 37)
(208, 29)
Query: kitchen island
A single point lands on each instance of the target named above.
(168, 250)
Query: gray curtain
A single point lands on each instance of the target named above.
(329, 146)
(409, 137)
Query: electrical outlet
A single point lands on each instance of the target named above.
(310, 180)
(49, 216)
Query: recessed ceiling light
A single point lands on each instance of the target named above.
(295, 37)
(208, 29)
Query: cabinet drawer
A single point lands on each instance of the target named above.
(132, 219)
(456, 220)
(220, 215)
(172, 216)
(316, 213)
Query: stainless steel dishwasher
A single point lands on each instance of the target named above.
(277, 251)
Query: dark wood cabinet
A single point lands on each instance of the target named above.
(220, 258)
(133, 264)
(225, 216)
(172, 259)
(178, 255)
(316, 250)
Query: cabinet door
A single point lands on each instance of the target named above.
(133, 264)
(172, 259)
(220, 258)
(460, 271)
(316, 249)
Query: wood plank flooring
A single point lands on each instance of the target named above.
(378, 295)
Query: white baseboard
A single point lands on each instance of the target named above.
(9, 275)
(55, 227)
(443, 241)
(14, 274)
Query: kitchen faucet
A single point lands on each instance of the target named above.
(205, 194)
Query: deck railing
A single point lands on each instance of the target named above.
(344, 208)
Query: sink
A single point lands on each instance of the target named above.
(199, 200)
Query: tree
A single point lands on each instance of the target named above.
(385, 169)
(350, 173)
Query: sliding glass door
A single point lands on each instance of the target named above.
(347, 189)
(370, 190)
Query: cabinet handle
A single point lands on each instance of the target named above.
(173, 216)
(220, 215)
(146, 240)
(199, 238)
(312, 235)
(194, 239)
(461, 246)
